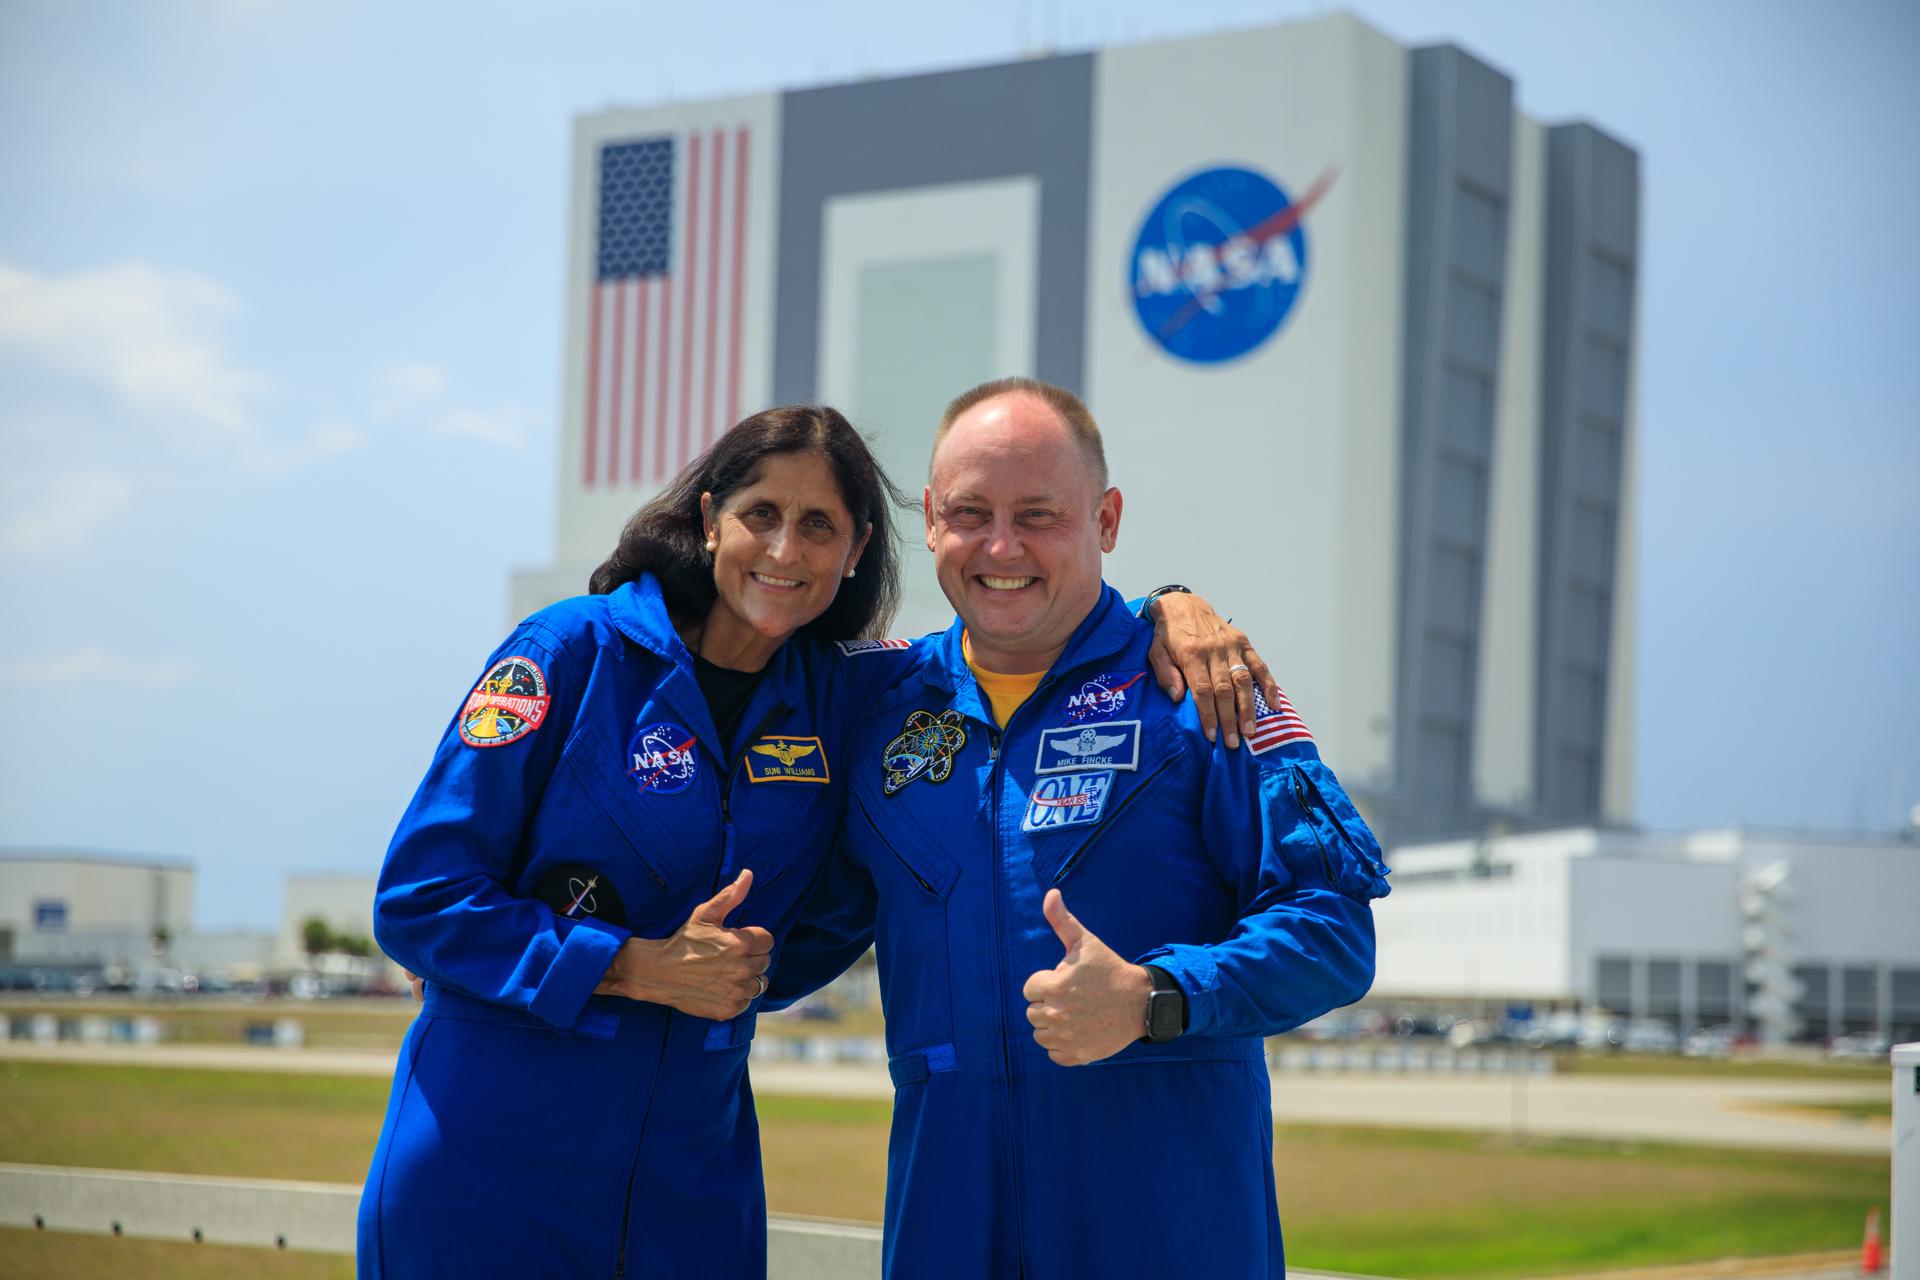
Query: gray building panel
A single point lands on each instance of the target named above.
(1593, 238)
(1460, 159)
(1027, 118)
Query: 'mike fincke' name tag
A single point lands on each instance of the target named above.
(1114, 745)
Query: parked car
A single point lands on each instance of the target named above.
(1650, 1035)
(1555, 1031)
(1866, 1046)
(1717, 1041)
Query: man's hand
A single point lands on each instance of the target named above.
(1092, 1004)
(1194, 648)
(419, 985)
(704, 969)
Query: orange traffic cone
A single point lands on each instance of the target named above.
(1870, 1258)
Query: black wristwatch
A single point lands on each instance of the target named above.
(1147, 604)
(1166, 1007)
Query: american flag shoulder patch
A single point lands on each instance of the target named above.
(1275, 726)
(854, 648)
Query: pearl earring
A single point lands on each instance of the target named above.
(848, 573)
(712, 545)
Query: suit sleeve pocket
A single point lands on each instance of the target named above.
(1354, 862)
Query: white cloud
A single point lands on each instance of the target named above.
(61, 514)
(327, 439)
(93, 665)
(146, 335)
(417, 389)
(506, 426)
(408, 386)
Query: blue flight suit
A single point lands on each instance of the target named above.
(1246, 875)
(579, 796)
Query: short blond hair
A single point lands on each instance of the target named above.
(1070, 408)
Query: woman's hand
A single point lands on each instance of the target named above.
(704, 969)
(1194, 648)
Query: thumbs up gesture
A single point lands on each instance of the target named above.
(1092, 1004)
(705, 968)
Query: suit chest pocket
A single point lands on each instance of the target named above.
(665, 837)
(1063, 836)
(913, 933)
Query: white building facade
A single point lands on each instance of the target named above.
(1694, 930)
(82, 909)
(1359, 333)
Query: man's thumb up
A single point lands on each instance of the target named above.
(1065, 927)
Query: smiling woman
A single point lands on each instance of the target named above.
(805, 455)
(626, 755)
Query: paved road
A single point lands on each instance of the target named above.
(1719, 1112)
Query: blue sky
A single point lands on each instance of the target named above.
(280, 317)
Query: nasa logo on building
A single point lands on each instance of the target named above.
(1219, 263)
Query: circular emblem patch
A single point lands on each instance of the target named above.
(1101, 698)
(662, 758)
(1219, 262)
(508, 704)
(926, 747)
(575, 891)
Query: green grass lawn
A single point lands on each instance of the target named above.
(1872, 1110)
(1380, 1202)
(69, 1256)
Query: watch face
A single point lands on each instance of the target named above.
(1163, 1016)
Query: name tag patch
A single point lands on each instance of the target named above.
(1115, 745)
(662, 759)
(1067, 800)
(781, 757)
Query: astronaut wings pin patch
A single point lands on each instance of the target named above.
(926, 747)
(782, 757)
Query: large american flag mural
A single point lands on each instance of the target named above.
(663, 326)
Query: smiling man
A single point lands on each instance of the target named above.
(1084, 1091)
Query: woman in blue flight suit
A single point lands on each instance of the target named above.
(622, 816)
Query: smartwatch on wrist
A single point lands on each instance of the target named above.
(1166, 1007)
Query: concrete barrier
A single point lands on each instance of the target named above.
(253, 1211)
(319, 1216)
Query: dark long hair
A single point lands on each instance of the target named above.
(668, 539)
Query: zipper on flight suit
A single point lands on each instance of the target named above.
(1111, 821)
(1306, 807)
(726, 865)
(1015, 1182)
(726, 790)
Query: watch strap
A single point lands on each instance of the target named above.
(1164, 987)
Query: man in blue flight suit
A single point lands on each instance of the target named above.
(1084, 1091)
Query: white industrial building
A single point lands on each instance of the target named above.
(73, 908)
(85, 912)
(1359, 332)
(1795, 936)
